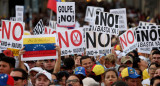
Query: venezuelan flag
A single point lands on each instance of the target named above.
(39, 47)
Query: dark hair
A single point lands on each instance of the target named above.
(80, 80)
(135, 53)
(62, 74)
(10, 60)
(110, 70)
(24, 73)
(123, 65)
(153, 79)
(156, 52)
(135, 62)
(119, 83)
(69, 63)
(153, 63)
(84, 57)
(158, 84)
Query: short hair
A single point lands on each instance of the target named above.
(156, 52)
(119, 83)
(24, 73)
(154, 63)
(84, 57)
(153, 79)
(111, 58)
(10, 60)
(123, 65)
(61, 74)
(111, 70)
(69, 63)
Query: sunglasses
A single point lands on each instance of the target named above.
(74, 81)
(17, 78)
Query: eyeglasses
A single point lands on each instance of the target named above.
(73, 81)
(17, 78)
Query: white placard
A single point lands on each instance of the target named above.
(19, 13)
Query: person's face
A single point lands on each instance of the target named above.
(19, 81)
(156, 58)
(31, 64)
(33, 76)
(110, 78)
(131, 82)
(49, 64)
(42, 80)
(87, 64)
(54, 79)
(39, 63)
(120, 69)
(77, 61)
(5, 67)
(152, 70)
(156, 82)
(143, 63)
(73, 80)
(157, 73)
(62, 82)
(108, 64)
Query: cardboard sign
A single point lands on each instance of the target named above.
(97, 43)
(128, 41)
(106, 23)
(19, 13)
(148, 38)
(49, 30)
(39, 28)
(65, 14)
(91, 13)
(39, 47)
(11, 34)
(145, 50)
(122, 19)
(71, 41)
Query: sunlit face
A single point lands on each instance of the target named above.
(42, 80)
(110, 78)
(152, 70)
(156, 58)
(5, 67)
(49, 64)
(108, 64)
(77, 61)
(87, 64)
(73, 80)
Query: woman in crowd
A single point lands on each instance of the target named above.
(74, 80)
(110, 76)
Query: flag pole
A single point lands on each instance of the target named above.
(50, 16)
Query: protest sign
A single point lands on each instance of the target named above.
(39, 47)
(39, 28)
(11, 34)
(14, 51)
(49, 30)
(106, 23)
(122, 19)
(145, 50)
(65, 14)
(12, 18)
(128, 41)
(97, 43)
(70, 41)
(91, 13)
(19, 13)
(142, 23)
(148, 38)
(52, 24)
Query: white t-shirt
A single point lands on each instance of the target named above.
(146, 82)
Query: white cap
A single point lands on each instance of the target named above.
(25, 64)
(88, 81)
(143, 58)
(121, 55)
(44, 72)
(36, 69)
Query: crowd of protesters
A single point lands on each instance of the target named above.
(115, 69)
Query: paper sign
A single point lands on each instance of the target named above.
(145, 50)
(11, 34)
(39, 28)
(52, 24)
(106, 23)
(15, 51)
(65, 14)
(91, 13)
(71, 41)
(142, 23)
(19, 13)
(97, 43)
(49, 30)
(12, 18)
(128, 41)
(39, 47)
(122, 19)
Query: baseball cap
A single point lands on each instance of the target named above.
(44, 72)
(36, 69)
(124, 59)
(8, 53)
(88, 81)
(80, 70)
(98, 69)
(6, 79)
(130, 72)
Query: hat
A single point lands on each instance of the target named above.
(124, 59)
(8, 53)
(6, 79)
(36, 69)
(44, 72)
(80, 70)
(130, 72)
(143, 58)
(98, 69)
(88, 81)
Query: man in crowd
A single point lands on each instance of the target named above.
(156, 57)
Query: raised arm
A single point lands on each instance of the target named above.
(58, 62)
